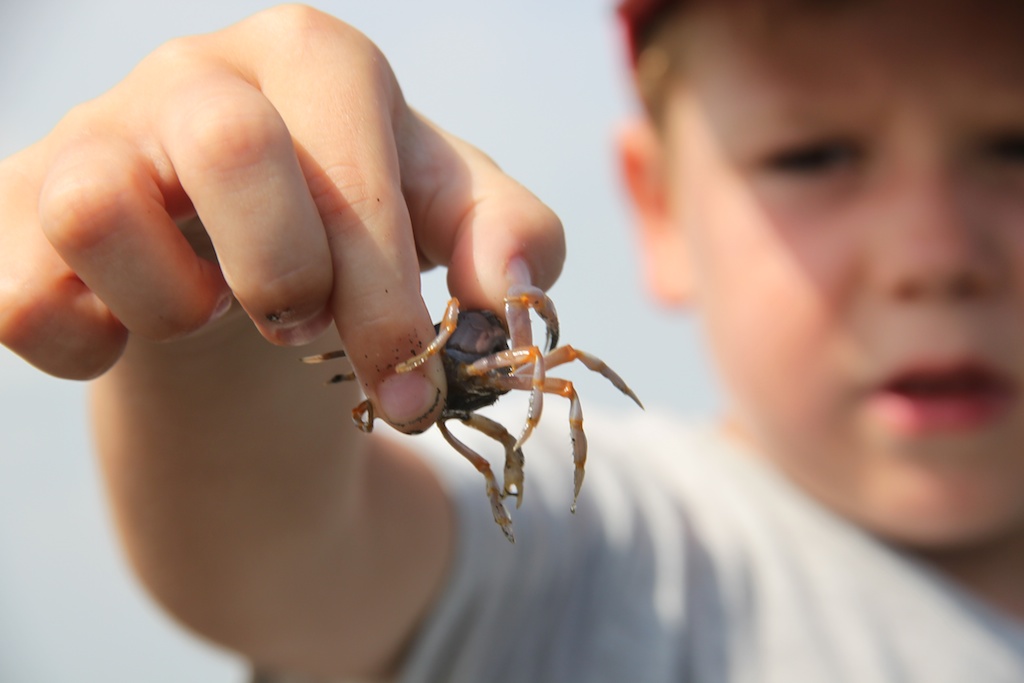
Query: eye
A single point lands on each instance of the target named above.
(1007, 147)
(813, 159)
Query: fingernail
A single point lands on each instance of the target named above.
(407, 398)
(222, 307)
(291, 330)
(518, 273)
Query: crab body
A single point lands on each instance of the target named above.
(483, 360)
(477, 335)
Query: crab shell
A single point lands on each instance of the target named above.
(479, 334)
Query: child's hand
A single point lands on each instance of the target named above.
(321, 192)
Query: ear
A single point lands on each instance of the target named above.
(663, 244)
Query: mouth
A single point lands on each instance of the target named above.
(944, 398)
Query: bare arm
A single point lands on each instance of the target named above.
(247, 503)
(255, 511)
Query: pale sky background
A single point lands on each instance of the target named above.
(537, 84)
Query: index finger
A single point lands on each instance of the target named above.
(343, 130)
(393, 190)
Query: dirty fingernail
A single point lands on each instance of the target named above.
(407, 398)
(293, 331)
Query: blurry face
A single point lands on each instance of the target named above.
(845, 187)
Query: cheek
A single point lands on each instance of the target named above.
(770, 340)
(772, 279)
(771, 307)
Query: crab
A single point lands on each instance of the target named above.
(484, 360)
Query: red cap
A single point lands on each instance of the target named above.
(636, 16)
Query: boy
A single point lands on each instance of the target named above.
(835, 185)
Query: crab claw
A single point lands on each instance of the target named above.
(494, 494)
(362, 416)
(499, 511)
(579, 457)
(514, 480)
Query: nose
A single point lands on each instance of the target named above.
(935, 244)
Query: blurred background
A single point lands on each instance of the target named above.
(538, 85)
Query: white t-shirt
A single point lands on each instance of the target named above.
(686, 560)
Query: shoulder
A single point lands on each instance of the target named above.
(686, 555)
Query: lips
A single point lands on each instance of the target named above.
(955, 381)
(943, 398)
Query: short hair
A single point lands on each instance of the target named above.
(655, 31)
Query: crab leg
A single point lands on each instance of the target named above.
(567, 354)
(330, 355)
(518, 302)
(493, 492)
(519, 359)
(321, 357)
(362, 416)
(536, 405)
(514, 460)
(563, 387)
(445, 329)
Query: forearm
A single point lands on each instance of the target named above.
(235, 479)
(213, 440)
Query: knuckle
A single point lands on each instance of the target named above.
(345, 195)
(78, 205)
(174, 55)
(299, 33)
(294, 19)
(299, 28)
(224, 129)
